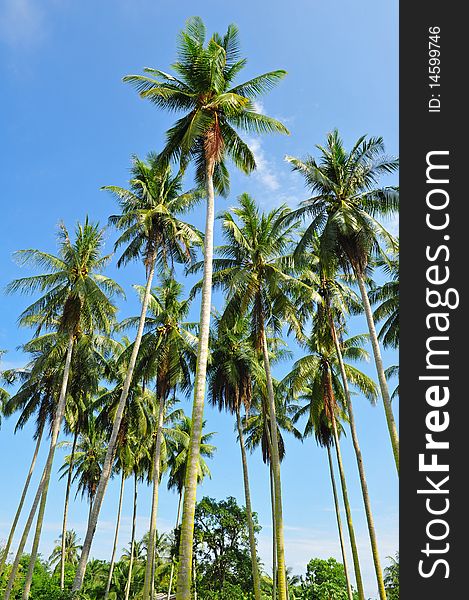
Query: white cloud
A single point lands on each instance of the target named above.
(265, 171)
(22, 22)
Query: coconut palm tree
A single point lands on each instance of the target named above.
(137, 421)
(234, 364)
(77, 297)
(177, 456)
(88, 364)
(152, 232)
(346, 204)
(337, 300)
(316, 376)
(257, 426)
(72, 549)
(215, 107)
(254, 271)
(88, 460)
(167, 355)
(138, 452)
(35, 397)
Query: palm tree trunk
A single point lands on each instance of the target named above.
(171, 576)
(339, 525)
(275, 460)
(190, 484)
(348, 512)
(132, 542)
(6, 550)
(247, 494)
(149, 569)
(64, 522)
(116, 537)
(361, 469)
(111, 451)
(274, 543)
(383, 384)
(59, 414)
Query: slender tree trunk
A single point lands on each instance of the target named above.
(361, 469)
(132, 542)
(116, 538)
(195, 579)
(64, 522)
(275, 460)
(59, 413)
(171, 576)
(6, 550)
(111, 451)
(339, 525)
(247, 494)
(149, 568)
(190, 484)
(383, 384)
(274, 543)
(348, 513)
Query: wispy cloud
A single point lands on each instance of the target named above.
(22, 23)
(265, 172)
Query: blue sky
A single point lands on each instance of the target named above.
(69, 125)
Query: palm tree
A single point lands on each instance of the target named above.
(72, 548)
(167, 354)
(152, 232)
(35, 397)
(254, 272)
(316, 376)
(136, 422)
(257, 426)
(76, 295)
(138, 450)
(88, 460)
(234, 364)
(336, 300)
(177, 461)
(346, 204)
(89, 359)
(214, 108)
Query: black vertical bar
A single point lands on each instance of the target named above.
(434, 120)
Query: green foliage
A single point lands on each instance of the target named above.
(324, 580)
(221, 548)
(391, 578)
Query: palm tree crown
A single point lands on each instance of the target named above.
(215, 106)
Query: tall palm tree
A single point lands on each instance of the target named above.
(77, 296)
(88, 460)
(257, 427)
(254, 271)
(138, 451)
(137, 421)
(345, 207)
(177, 459)
(152, 232)
(316, 376)
(35, 397)
(167, 355)
(234, 364)
(337, 300)
(214, 108)
(87, 368)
